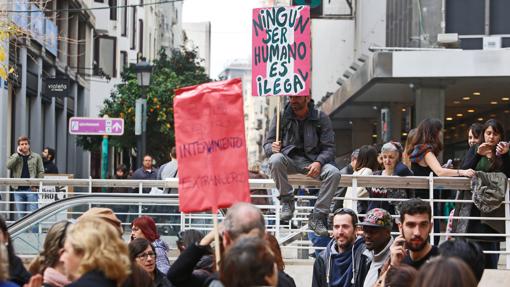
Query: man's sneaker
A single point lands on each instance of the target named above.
(287, 208)
(317, 223)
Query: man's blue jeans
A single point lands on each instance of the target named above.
(26, 202)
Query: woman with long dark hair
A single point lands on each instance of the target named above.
(426, 145)
(366, 164)
(48, 263)
(475, 134)
(491, 155)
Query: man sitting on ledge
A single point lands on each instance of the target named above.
(307, 147)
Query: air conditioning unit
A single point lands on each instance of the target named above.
(491, 42)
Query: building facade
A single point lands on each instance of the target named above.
(51, 41)
(380, 67)
(258, 111)
(126, 32)
(198, 35)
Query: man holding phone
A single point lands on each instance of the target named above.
(25, 164)
(413, 247)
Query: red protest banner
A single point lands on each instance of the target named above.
(211, 146)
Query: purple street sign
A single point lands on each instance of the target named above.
(96, 126)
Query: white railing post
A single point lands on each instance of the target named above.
(140, 189)
(90, 189)
(507, 225)
(431, 198)
(355, 194)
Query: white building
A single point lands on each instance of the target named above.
(37, 56)
(198, 35)
(123, 35)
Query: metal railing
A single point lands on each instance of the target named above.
(289, 235)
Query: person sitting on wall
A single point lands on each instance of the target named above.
(307, 146)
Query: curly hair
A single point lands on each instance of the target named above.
(148, 227)
(101, 248)
(53, 243)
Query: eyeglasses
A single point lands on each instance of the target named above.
(145, 256)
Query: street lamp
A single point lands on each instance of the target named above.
(143, 75)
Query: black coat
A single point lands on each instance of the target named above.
(50, 167)
(93, 278)
(318, 135)
(18, 273)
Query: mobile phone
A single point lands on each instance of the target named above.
(501, 145)
(403, 243)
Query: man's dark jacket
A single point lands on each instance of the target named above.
(50, 167)
(360, 265)
(319, 138)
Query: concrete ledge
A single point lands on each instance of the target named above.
(495, 278)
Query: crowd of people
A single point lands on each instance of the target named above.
(359, 249)
(90, 251)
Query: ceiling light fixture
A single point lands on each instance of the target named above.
(476, 93)
(456, 102)
(471, 111)
(494, 103)
(449, 119)
(505, 99)
(466, 98)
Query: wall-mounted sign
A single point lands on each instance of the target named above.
(57, 87)
(96, 126)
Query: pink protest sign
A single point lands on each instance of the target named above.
(281, 51)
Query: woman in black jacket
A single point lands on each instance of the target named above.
(491, 155)
(142, 252)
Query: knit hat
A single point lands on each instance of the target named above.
(377, 217)
(106, 214)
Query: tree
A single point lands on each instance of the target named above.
(181, 69)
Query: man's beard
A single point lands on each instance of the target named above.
(418, 247)
(347, 243)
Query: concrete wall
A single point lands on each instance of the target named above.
(370, 25)
(332, 53)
